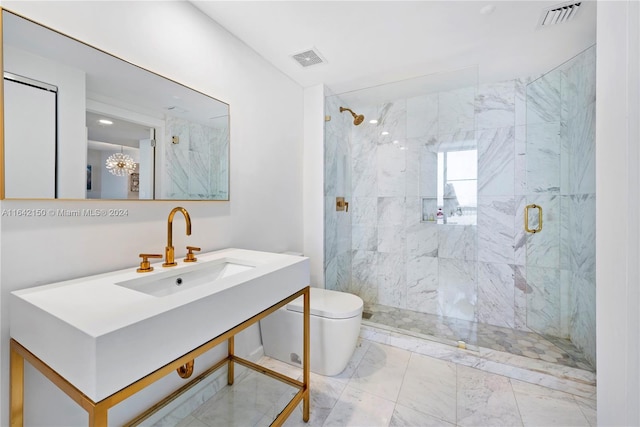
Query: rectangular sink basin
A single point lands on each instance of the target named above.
(178, 281)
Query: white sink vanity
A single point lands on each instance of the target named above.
(102, 338)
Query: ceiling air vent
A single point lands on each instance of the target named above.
(558, 14)
(308, 58)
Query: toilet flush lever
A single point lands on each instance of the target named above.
(341, 205)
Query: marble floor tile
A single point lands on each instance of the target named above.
(325, 393)
(588, 407)
(357, 408)
(540, 406)
(444, 329)
(430, 386)
(175, 413)
(394, 384)
(485, 399)
(191, 422)
(361, 349)
(407, 417)
(381, 370)
(571, 380)
(245, 403)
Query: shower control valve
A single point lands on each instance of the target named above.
(341, 205)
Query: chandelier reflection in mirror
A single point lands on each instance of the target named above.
(121, 164)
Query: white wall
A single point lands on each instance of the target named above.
(618, 236)
(265, 211)
(313, 172)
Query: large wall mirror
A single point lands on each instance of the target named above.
(83, 124)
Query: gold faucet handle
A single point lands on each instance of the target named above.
(145, 265)
(190, 256)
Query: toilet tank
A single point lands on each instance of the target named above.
(334, 329)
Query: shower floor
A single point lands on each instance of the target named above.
(452, 331)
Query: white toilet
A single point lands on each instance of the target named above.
(334, 330)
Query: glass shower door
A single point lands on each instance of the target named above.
(558, 206)
(542, 207)
(338, 203)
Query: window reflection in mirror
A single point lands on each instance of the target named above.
(177, 138)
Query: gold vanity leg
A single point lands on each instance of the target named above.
(306, 354)
(17, 388)
(231, 345)
(98, 416)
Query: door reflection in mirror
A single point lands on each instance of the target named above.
(29, 165)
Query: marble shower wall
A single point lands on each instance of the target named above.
(337, 183)
(198, 167)
(561, 177)
(479, 272)
(462, 271)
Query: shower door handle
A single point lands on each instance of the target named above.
(526, 218)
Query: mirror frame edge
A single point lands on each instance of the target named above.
(2, 169)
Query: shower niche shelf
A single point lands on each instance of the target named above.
(452, 213)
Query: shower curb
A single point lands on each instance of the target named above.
(574, 381)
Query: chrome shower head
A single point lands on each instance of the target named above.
(357, 118)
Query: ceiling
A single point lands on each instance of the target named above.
(368, 43)
(120, 132)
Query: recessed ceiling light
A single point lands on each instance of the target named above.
(105, 122)
(384, 133)
(403, 148)
(373, 121)
(396, 142)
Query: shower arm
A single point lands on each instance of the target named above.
(342, 109)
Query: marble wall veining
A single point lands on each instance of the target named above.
(339, 233)
(197, 168)
(561, 264)
(535, 144)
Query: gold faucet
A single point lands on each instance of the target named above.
(169, 251)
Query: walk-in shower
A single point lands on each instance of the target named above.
(439, 190)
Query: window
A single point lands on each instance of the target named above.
(456, 200)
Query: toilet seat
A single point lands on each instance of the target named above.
(330, 304)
